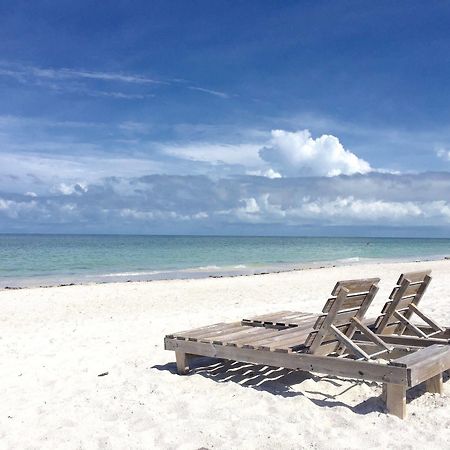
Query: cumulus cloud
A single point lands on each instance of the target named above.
(297, 153)
(284, 154)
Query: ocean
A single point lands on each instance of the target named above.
(42, 260)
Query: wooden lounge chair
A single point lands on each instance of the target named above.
(395, 320)
(324, 343)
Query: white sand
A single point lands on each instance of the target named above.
(54, 342)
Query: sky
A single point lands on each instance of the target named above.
(218, 117)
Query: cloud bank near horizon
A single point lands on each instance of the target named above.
(154, 203)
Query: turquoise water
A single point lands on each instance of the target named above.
(55, 259)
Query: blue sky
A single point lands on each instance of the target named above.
(236, 117)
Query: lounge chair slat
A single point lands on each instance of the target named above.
(414, 277)
(227, 337)
(401, 304)
(329, 336)
(247, 337)
(265, 340)
(295, 339)
(355, 286)
(294, 318)
(280, 320)
(296, 321)
(264, 334)
(194, 334)
(291, 343)
(342, 318)
(262, 317)
(352, 301)
(219, 331)
(411, 290)
(195, 330)
(289, 318)
(247, 334)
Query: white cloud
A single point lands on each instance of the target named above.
(113, 94)
(269, 173)
(135, 127)
(69, 189)
(21, 72)
(75, 80)
(105, 76)
(160, 215)
(297, 154)
(241, 154)
(443, 154)
(285, 154)
(64, 171)
(13, 209)
(209, 91)
(251, 206)
(196, 201)
(341, 211)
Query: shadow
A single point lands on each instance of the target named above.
(420, 389)
(278, 381)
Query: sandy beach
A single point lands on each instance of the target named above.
(55, 342)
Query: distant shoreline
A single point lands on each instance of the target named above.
(197, 273)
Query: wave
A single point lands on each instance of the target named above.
(126, 274)
(212, 267)
(350, 260)
(208, 268)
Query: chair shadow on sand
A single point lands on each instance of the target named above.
(279, 381)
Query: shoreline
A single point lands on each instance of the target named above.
(205, 273)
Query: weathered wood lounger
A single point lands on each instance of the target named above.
(325, 343)
(396, 316)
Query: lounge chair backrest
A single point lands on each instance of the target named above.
(404, 299)
(341, 316)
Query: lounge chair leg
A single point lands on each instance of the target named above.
(396, 399)
(435, 384)
(384, 392)
(182, 359)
